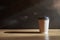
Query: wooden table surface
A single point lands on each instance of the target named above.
(32, 34)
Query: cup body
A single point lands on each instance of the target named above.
(44, 25)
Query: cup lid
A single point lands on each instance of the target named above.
(44, 18)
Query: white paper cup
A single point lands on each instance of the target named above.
(44, 25)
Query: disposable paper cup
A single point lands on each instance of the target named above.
(43, 25)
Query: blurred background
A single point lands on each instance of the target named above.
(24, 14)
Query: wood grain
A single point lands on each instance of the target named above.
(54, 34)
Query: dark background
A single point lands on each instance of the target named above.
(24, 14)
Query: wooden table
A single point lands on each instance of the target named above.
(54, 34)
